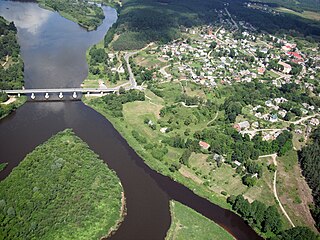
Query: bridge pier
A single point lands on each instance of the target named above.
(60, 95)
(46, 96)
(18, 94)
(74, 95)
(33, 96)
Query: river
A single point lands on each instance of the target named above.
(53, 50)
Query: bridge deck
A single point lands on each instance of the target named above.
(62, 90)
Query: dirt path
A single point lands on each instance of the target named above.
(10, 100)
(274, 158)
(7, 60)
(215, 117)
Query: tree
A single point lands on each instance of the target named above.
(213, 45)
(297, 233)
(249, 180)
(258, 210)
(184, 159)
(272, 221)
(122, 90)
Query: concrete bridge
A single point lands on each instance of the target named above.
(61, 91)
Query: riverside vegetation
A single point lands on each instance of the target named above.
(11, 66)
(87, 15)
(65, 192)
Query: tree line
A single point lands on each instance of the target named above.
(268, 220)
(309, 158)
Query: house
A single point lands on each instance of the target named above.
(261, 70)
(295, 55)
(163, 130)
(314, 122)
(204, 145)
(273, 118)
(218, 158)
(237, 163)
(242, 125)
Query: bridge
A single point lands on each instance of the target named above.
(61, 91)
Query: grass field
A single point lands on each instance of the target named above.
(293, 191)
(188, 224)
(315, 16)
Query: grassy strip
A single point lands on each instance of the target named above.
(64, 192)
(3, 166)
(188, 224)
(5, 110)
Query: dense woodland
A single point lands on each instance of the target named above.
(166, 17)
(59, 191)
(11, 68)
(309, 158)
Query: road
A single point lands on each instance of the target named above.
(132, 79)
(127, 56)
(164, 73)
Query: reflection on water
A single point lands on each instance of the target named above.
(26, 16)
(52, 47)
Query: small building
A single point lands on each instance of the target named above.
(261, 70)
(314, 122)
(218, 158)
(237, 163)
(204, 145)
(242, 125)
(163, 130)
(273, 118)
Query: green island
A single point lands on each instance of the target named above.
(188, 224)
(65, 192)
(11, 67)
(87, 15)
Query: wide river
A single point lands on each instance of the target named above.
(53, 50)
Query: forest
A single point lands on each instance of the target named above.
(11, 67)
(166, 17)
(309, 158)
(65, 192)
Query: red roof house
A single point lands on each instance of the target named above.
(204, 145)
